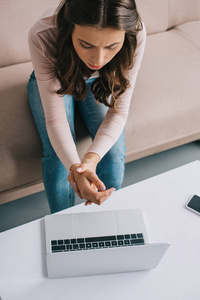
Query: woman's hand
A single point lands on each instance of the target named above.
(86, 183)
(72, 181)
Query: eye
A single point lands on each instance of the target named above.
(112, 47)
(86, 47)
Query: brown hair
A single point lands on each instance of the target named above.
(71, 71)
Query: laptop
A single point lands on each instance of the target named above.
(80, 244)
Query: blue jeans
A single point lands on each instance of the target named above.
(110, 169)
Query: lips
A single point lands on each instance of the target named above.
(95, 67)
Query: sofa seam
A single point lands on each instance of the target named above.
(19, 187)
(169, 16)
(185, 37)
(15, 64)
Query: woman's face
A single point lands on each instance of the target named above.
(96, 47)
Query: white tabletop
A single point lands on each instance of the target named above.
(162, 200)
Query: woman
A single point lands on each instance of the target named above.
(85, 54)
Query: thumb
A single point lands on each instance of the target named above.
(81, 168)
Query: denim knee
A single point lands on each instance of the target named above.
(47, 150)
(112, 166)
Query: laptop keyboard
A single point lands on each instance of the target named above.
(97, 242)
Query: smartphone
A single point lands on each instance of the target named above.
(194, 204)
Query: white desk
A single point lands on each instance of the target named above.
(162, 199)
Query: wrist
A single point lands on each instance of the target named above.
(91, 157)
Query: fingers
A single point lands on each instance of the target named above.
(101, 200)
(88, 202)
(76, 190)
(95, 188)
(97, 182)
(88, 186)
(90, 173)
(72, 181)
(93, 178)
(91, 189)
(98, 197)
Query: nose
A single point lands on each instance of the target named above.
(98, 58)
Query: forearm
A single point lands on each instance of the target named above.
(108, 133)
(57, 125)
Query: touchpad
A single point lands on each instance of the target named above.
(95, 224)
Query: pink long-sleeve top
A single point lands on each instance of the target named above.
(42, 36)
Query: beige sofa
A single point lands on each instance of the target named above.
(165, 107)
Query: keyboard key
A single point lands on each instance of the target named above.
(53, 243)
(82, 246)
(127, 236)
(140, 236)
(67, 242)
(133, 236)
(108, 244)
(114, 243)
(137, 241)
(95, 245)
(101, 244)
(80, 241)
(120, 243)
(73, 241)
(100, 239)
(120, 237)
(75, 246)
(60, 242)
(127, 242)
(88, 245)
(69, 247)
(59, 248)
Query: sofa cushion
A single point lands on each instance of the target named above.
(16, 20)
(21, 145)
(190, 31)
(155, 14)
(160, 15)
(165, 108)
(183, 11)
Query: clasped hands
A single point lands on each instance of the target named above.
(86, 183)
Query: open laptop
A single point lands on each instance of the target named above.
(99, 243)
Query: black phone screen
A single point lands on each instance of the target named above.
(194, 203)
